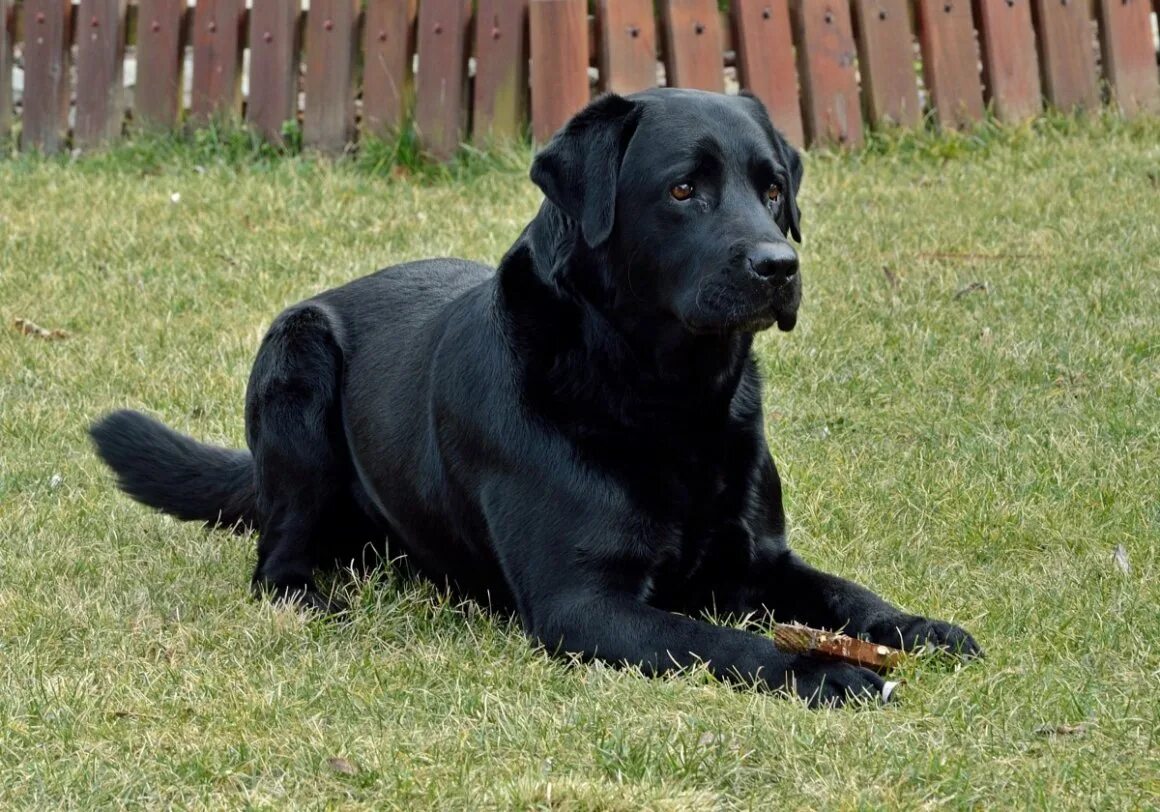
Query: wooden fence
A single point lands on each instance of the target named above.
(475, 71)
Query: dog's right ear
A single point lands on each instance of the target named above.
(578, 168)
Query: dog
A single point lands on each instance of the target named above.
(576, 437)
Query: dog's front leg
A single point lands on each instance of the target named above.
(623, 630)
(793, 590)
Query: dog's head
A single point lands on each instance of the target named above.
(689, 198)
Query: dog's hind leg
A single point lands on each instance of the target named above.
(303, 468)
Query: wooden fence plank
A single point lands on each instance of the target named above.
(765, 64)
(559, 30)
(950, 62)
(628, 47)
(501, 69)
(886, 62)
(217, 59)
(693, 56)
(1066, 53)
(1129, 57)
(6, 16)
(1010, 67)
(100, 57)
(826, 61)
(273, 92)
(157, 94)
(331, 31)
(46, 72)
(388, 45)
(440, 88)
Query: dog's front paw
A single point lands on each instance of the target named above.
(822, 683)
(917, 633)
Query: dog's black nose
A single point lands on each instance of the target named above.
(776, 261)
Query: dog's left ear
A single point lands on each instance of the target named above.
(577, 169)
(790, 217)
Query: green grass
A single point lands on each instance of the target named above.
(977, 457)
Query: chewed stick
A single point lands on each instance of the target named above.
(805, 640)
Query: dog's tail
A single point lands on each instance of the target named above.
(176, 474)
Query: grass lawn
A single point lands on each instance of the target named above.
(967, 419)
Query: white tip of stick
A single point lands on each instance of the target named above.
(888, 690)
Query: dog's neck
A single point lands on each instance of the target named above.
(637, 367)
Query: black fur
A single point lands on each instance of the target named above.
(577, 436)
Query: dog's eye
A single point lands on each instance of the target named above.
(682, 191)
(773, 193)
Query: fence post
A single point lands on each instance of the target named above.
(693, 55)
(826, 59)
(46, 70)
(100, 60)
(1066, 56)
(1010, 69)
(157, 95)
(273, 98)
(765, 61)
(501, 70)
(1129, 58)
(217, 52)
(441, 87)
(950, 61)
(5, 72)
(628, 45)
(388, 45)
(886, 62)
(559, 63)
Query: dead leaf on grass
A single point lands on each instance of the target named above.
(31, 328)
(341, 766)
(891, 278)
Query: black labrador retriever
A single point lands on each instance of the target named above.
(576, 436)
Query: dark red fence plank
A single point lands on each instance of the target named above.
(217, 59)
(46, 69)
(693, 56)
(388, 43)
(950, 61)
(559, 30)
(156, 97)
(826, 62)
(886, 62)
(628, 45)
(6, 17)
(441, 85)
(1129, 57)
(1066, 53)
(501, 69)
(328, 120)
(765, 65)
(1010, 67)
(100, 56)
(273, 96)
